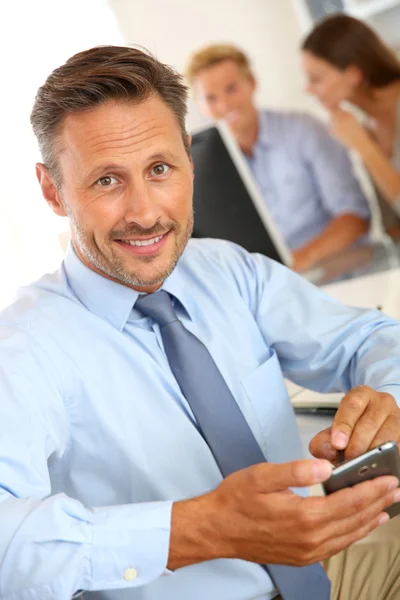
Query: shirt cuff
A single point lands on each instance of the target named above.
(357, 211)
(130, 545)
(391, 388)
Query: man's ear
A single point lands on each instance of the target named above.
(49, 190)
(253, 82)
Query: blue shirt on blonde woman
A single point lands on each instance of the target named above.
(305, 176)
(97, 440)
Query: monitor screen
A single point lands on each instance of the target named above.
(227, 202)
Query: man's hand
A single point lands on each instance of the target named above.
(365, 419)
(303, 259)
(253, 515)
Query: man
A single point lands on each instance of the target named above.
(304, 175)
(132, 454)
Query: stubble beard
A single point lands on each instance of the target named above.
(116, 267)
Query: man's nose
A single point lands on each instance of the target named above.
(141, 206)
(222, 107)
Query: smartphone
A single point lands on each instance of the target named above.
(382, 460)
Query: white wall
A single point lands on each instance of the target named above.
(387, 24)
(36, 38)
(268, 30)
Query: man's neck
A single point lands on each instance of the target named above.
(248, 137)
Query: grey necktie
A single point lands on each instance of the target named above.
(223, 426)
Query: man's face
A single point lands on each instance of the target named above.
(127, 184)
(225, 92)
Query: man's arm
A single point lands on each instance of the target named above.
(53, 545)
(340, 233)
(321, 343)
(326, 346)
(339, 190)
(253, 516)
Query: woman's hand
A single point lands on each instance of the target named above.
(349, 131)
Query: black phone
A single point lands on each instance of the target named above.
(382, 460)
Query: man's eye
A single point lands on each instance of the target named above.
(106, 181)
(160, 169)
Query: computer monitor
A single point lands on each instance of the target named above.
(227, 202)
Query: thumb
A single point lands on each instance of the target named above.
(300, 473)
(321, 447)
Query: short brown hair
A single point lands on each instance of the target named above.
(95, 76)
(214, 54)
(342, 41)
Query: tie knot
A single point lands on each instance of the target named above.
(158, 306)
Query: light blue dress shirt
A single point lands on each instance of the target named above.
(96, 439)
(304, 175)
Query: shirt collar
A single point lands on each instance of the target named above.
(112, 301)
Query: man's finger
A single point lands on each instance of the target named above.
(349, 412)
(321, 447)
(269, 477)
(389, 431)
(342, 542)
(366, 514)
(367, 429)
(350, 501)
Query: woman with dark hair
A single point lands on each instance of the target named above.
(344, 59)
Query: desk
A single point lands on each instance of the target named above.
(369, 291)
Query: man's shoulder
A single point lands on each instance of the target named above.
(220, 264)
(44, 300)
(214, 254)
(297, 132)
(291, 121)
(289, 116)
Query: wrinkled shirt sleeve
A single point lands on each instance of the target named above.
(331, 167)
(51, 545)
(322, 344)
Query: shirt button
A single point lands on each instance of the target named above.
(130, 574)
